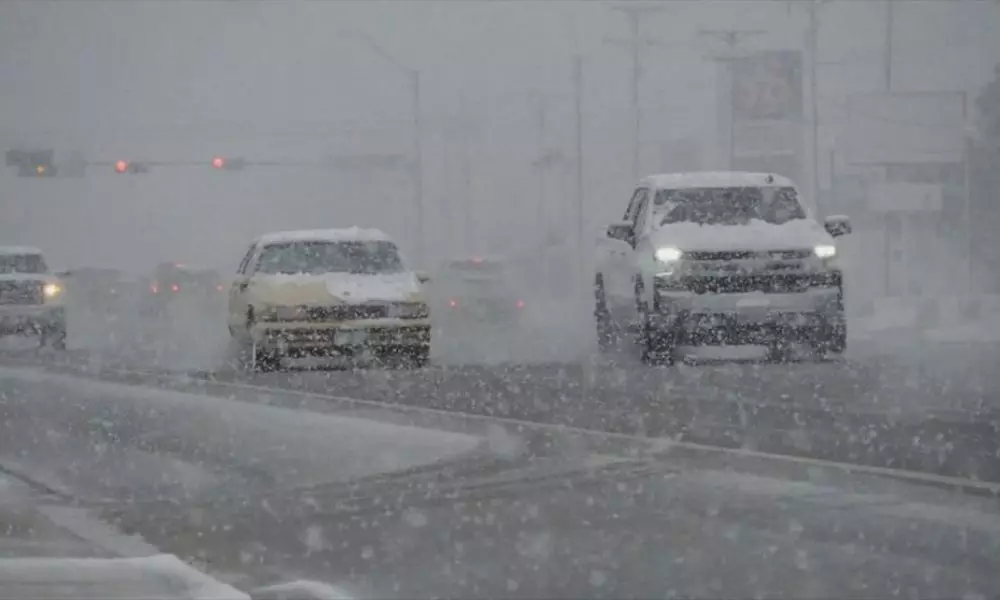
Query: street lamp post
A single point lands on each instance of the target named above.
(413, 77)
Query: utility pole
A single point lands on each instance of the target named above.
(813, 49)
(418, 164)
(731, 38)
(541, 107)
(889, 26)
(635, 43)
(578, 125)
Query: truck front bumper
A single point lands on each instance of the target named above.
(748, 318)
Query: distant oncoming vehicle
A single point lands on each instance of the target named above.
(478, 290)
(175, 281)
(720, 258)
(338, 291)
(31, 298)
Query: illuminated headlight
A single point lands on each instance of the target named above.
(409, 310)
(667, 255)
(825, 251)
(51, 290)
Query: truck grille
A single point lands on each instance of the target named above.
(748, 255)
(20, 292)
(347, 312)
(769, 283)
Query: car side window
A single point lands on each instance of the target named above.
(633, 205)
(246, 260)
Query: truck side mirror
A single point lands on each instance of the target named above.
(622, 231)
(837, 225)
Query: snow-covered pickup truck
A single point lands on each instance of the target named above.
(31, 297)
(721, 258)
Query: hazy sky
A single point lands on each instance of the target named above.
(188, 79)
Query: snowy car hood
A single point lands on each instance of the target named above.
(756, 235)
(289, 290)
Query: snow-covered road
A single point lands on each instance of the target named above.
(247, 485)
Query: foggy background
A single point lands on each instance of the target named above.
(320, 84)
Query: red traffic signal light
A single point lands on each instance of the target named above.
(121, 166)
(218, 162)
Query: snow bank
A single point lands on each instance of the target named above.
(327, 446)
(300, 590)
(162, 576)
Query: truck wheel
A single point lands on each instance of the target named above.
(658, 345)
(607, 337)
(831, 337)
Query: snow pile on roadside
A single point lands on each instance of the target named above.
(162, 576)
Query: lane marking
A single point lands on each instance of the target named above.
(655, 445)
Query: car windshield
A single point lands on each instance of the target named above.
(314, 258)
(22, 263)
(728, 206)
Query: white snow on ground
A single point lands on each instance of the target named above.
(971, 514)
(986, 332)
(303, 589)
(163, 577)
(312, 444)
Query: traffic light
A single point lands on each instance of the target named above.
(131, 167)
(228, 164)
(32, 163)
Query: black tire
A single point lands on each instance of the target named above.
(53, 336)
(419, 359)
(831, 338)
(607, 336)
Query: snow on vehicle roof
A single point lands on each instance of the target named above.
(8, 250)
(350, 234)
(705, 179)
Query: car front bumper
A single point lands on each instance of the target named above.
(30, 318)
(403, 335)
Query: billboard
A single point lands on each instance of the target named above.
(767, 86)
(766, 108)
(906, 128)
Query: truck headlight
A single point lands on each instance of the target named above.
(51, 290)
(667, 254)
(825, 251)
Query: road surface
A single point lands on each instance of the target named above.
(258, 487)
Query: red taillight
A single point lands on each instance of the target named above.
(154, 288)
(453, 303)
(219, 288)
(175, 288)
(519, 303)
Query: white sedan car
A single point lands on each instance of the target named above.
(345, 292)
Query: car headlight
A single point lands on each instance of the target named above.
(667, 255)
(825, 251)
(51, 290)
(409, 310)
